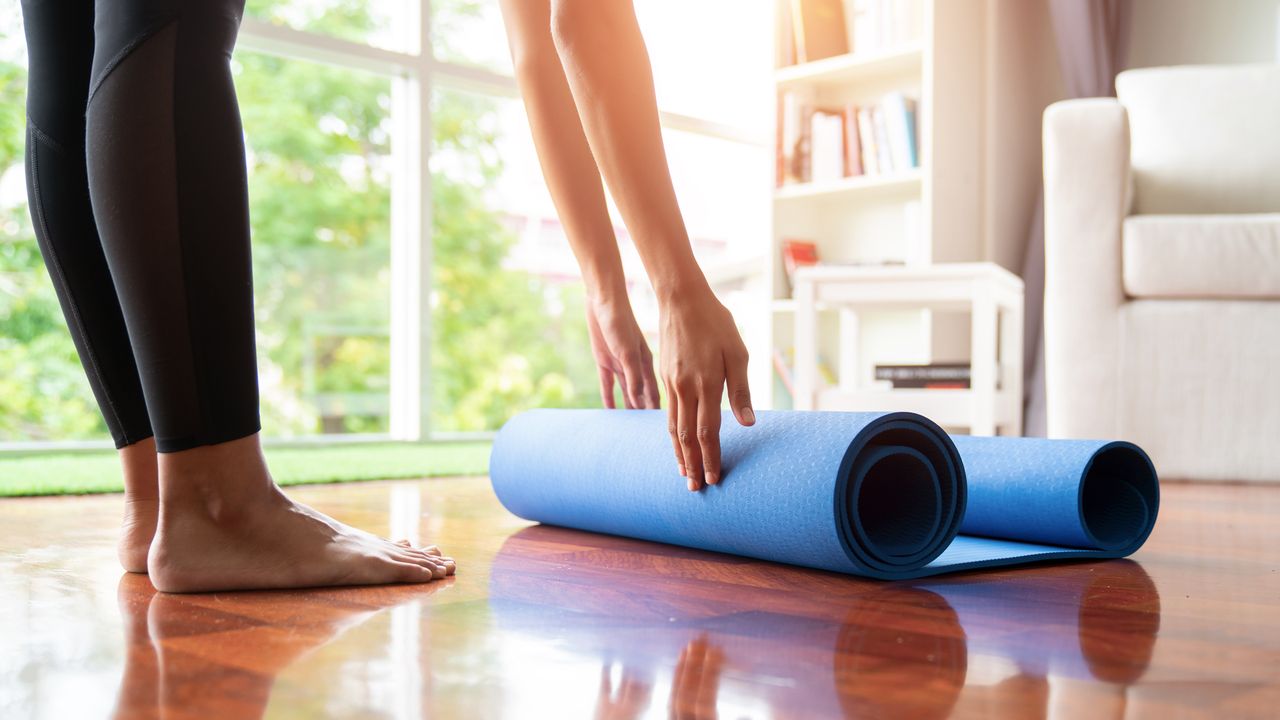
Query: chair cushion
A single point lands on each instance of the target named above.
(1202, 256)
(1204, 138)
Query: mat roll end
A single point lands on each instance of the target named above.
(900, 495)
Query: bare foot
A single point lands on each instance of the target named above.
(136, 532)
(141, 504)
(224, 525)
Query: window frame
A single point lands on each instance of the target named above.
(414, 75)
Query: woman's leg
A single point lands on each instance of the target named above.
(166, 170)
(60, 52)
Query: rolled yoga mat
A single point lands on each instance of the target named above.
(882, 495)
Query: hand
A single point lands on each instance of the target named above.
(701, 353)
(621, 354)
(696, 681)
(630, 700)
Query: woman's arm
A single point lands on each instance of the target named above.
(608, 73)
(574, 181)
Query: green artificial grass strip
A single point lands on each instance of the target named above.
(99, 472)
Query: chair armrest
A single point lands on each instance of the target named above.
(1086, 183)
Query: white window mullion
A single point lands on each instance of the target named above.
(411, 245)
(266, 37)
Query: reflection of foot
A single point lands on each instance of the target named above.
(219, 655)
(136, 531)
(269, 541)
(224, 525)
(137, 696)
(696, 682)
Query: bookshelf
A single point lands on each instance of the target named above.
(839, 70)
(860, 186)
(904, 217)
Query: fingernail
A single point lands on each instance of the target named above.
(693, 485)
(749, 415)
(712, 478)
(682, 472)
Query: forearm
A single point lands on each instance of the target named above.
(563, 153)
(607, 67)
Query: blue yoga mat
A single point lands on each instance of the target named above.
(883, 495)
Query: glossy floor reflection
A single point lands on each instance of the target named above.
(545, 622)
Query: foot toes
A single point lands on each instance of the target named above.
(410, 572)
(433, 564)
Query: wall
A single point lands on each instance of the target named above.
(1024, 79)
(1182, 32)
(1019, 79)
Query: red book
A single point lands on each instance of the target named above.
(798, 253)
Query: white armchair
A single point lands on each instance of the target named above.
(1162, 283)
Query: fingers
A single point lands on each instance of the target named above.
(673, 428)
(735, 372)
(687, 432)
(606, 387)
(651, 397)
(640, 384)
(709, 433)
(632, 379)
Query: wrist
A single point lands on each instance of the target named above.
(680, 288)
(605, 288)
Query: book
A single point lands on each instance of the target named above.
(783, 369)
(793, 139)
(798, 254)
(826, 145)
(780, 143)
(899, 121)
(852, 148)
(930, 384)
(876, 25)
(803, 162)
(867, 140)
(819, 29)
(931, 376)
(884, 155)
(785, 47)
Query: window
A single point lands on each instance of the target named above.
(385, 24)
(318, 143)
(411, 276)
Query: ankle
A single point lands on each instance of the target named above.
(141, 474)
(219, 481)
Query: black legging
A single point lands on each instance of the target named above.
(136, 180)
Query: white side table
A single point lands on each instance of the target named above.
(986, 290)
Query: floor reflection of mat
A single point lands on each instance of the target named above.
(551, 622)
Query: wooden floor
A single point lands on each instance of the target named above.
(543, 622)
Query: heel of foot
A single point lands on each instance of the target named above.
(133, 556)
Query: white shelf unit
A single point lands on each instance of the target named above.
(841, 70)
(928, 214)
(990, 294)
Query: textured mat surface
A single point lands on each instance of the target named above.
(884, 495)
